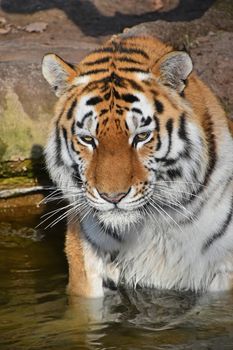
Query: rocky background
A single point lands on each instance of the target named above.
(72, 28)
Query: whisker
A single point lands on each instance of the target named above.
(66, 214)
(177, 202)
(159, 211)
(178, 191)
(52, 213)
(194, 185)
(55, 211)
(164, 211)
(175, 209)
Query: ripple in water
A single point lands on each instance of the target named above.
(36, 313)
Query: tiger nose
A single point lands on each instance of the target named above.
(113, 197)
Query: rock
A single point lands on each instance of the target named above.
(27, 102)
(2, 21)
(4, 30)
(36, 27)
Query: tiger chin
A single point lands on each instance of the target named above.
(143, 151)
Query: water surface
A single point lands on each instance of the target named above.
(36, 313)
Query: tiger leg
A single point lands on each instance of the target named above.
(84, 266)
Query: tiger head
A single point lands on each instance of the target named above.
(124, 140)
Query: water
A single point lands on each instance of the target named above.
(36, 313)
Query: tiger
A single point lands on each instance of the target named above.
(143, 151)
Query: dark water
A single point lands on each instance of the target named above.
(35, 312)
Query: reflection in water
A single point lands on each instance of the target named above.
(35, 312)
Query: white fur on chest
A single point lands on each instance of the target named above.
(165, 256)
(168, 258)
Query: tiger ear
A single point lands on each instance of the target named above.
(58, 73)
(173, 69)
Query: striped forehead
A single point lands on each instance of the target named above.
(137, 112)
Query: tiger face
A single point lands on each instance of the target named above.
(124, 140)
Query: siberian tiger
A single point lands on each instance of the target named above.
(144, 153)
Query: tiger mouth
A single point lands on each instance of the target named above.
(118, 209)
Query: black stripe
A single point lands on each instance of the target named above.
(140, 52)
(61, 114)
(76, 175)
(136, 110)
(71, 109)
(126, 125)
(95, 82)
(87, 115)
(159, 106)
(220, 232)
(103, 111)
(58, 146)
(88, 88)
(174, 173)
(146, 121)
(211, 144)
(157, 128)
(104, 87)
(133, 70)
(127, 59)
(112, 233)
(105, 121)
(97, 128)
(182, 133)
(116, 79)
(116, 94)
(73, 148)
(159, 143)
(64, 132)
(94, 71)
(166, 162)
(129, 98)
(104, 49)
(169, 127)
(107, 96)
(73, 128)
(94, 101)
(211, 148)
(98, 61)
(119, 111)
(71, 65)
(108, 283)
(134, 84)
(202, 203)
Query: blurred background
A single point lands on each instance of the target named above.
(33, 272)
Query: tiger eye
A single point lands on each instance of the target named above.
(87, 139)
(143, 136)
